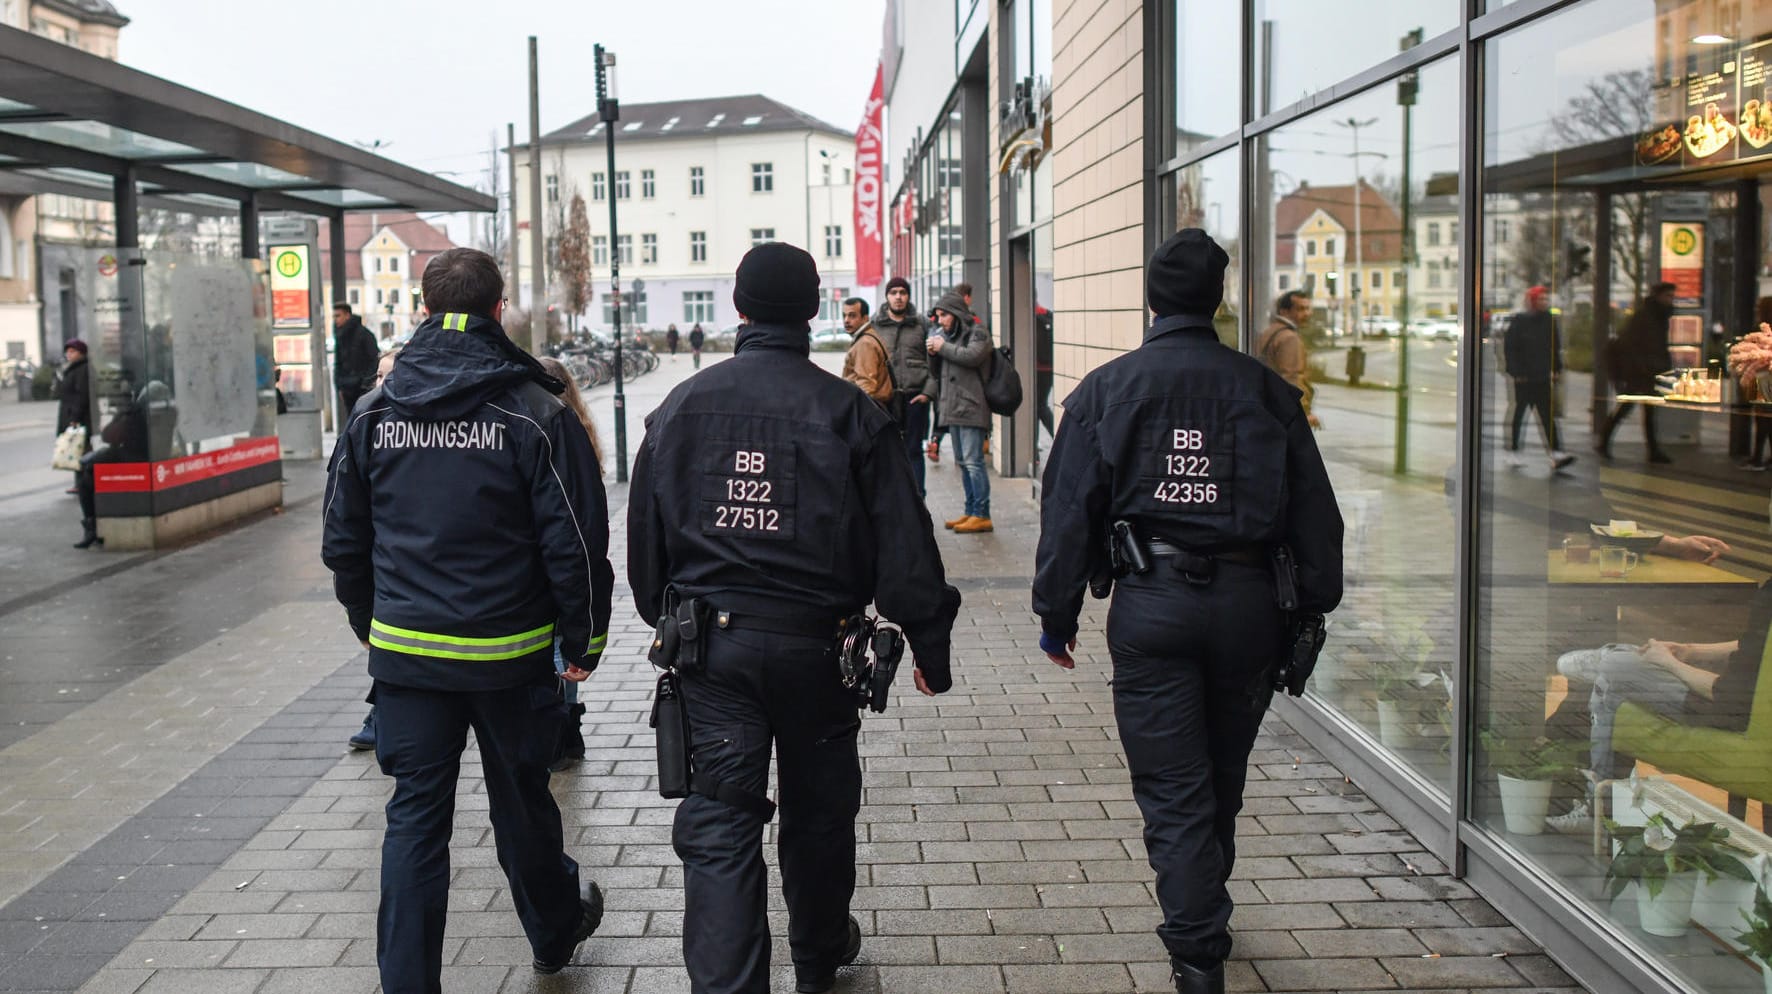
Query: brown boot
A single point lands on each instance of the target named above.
(957, 522)
(972, 526)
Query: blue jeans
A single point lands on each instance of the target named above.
(969, 454)
(1626, 676)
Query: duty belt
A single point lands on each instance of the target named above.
(807, 626)
(1242, 555)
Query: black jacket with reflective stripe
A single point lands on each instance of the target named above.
(766, 484)
(466, 522)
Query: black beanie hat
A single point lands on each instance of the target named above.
(1186, 275)
(898, 283)
(777, 284)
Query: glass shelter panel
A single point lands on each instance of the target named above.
(1621, 701)
(1377, 348)
(1302, 46)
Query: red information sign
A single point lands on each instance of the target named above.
(143, 477)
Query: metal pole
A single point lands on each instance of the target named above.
(1400, 464)
(1359, 250)
(516, 282)
(249, 227)
(609, 111)
(538, 278)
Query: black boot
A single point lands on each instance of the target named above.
(1193, 979)
(821, 983)
(89, 534)
(572, 742)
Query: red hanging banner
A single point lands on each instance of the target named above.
(869, 148)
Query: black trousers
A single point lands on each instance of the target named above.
(1190, 690)
(756, 691)
(916, 432)
(420, 736)
(1617, 417)
(1536, 395)
(349, 396)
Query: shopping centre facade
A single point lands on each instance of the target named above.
(1416, 166)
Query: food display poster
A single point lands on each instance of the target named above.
(1727, 107)
(1682, 261)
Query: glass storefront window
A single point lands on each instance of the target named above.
(1622, 614)
(1334, 195)
(1207, 100)
(1209, 194)
(1302, 46)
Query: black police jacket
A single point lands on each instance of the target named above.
(466, 524)
(1196, 444)
(766, 484)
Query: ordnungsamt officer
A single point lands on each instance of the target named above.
(771, 501)
(1207, 459)
(466, 526)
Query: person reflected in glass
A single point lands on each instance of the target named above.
(1633, 360)
(1281, 347)
(1532, 350)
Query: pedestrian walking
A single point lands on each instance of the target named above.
(1532, 351)
(73, 389)
(771, 503)
(1281, 348)
(459, 602)
(958, 391)
(1634, 359)
(571, 750)
(671, 340)
(354, 357)
(697, 338)
(904, 333)
(1201, 462)
(867, 365)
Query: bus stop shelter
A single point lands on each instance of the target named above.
(198, 362)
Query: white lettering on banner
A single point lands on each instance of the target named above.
(869, 186)
(440, 435)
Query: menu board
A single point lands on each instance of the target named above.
(1727, 112)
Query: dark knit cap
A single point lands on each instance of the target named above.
(777, 284)
(76, 344)
(1186, 275)
(898, 283)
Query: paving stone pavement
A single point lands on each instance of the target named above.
(1000, 844)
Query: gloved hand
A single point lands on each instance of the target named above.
(1058, 651)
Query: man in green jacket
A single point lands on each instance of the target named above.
(957, 388)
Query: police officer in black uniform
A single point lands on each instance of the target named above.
(466, 527)
(1206, 455)
(778, 496)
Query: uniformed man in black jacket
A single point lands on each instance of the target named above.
(779, 496)
(1208, 455)
(466, 528)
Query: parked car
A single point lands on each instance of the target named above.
(830, 338)
(1434, 328)
(1380, 327)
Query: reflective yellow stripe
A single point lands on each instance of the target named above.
(455, 322)
(418, 643)
(597, 645)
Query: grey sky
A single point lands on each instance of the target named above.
(436, 78)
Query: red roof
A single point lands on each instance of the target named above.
(1381, 227)
(425, 239)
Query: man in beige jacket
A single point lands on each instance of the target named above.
(867, 365)
(1281, 346)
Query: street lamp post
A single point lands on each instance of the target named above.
(609, 111)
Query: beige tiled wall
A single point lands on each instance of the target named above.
(1098, 102)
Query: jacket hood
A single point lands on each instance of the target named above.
(955, 304)
(793, 338)
(455, 363)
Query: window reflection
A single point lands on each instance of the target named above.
(1623, 616)
(1302, 46)
(1347, 316)
(1209, 194)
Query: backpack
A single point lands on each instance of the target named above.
(1002, 384)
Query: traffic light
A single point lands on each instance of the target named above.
(1578, 259)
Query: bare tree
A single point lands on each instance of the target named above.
(575, 262)
(556, 208)
(492, 227)
(1619, 105)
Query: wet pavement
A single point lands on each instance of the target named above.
(178, 811)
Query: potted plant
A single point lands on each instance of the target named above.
(1665, 863)
(1758, 936)
(1404, 698)
(1527, 771)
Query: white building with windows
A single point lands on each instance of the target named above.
(696, 184)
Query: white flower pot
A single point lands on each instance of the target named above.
(1719, 903)
(1670, 914)
(1393, 731)
(1766, 975)
(1524, 804)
